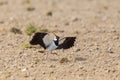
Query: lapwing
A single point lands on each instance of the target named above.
(44, 40)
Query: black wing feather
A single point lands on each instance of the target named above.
(67, 43)
(38, 39)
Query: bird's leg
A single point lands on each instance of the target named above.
(54, 52)
(51, 52)
(72, 51)
(46, 57)
(72, 55)
(63, 50)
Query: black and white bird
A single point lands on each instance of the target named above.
(44, 40)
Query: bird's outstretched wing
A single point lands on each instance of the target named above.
(42, 39)
(66, 43)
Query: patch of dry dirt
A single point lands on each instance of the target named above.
(95, 56)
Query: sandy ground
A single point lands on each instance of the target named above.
(95, 56)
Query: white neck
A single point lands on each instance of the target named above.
(55, 39)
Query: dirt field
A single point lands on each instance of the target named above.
(95, 56)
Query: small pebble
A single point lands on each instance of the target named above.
(64, 60)
(77, 50)
(30, 9)
(15, 31)
(49, 13)
(23, 70)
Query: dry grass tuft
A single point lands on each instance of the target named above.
(26, 2)
(25, 45)
(31, 28)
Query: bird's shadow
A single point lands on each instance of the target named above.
(80, 59)
(76, 59)
(53, 59)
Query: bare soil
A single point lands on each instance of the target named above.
(95, 56)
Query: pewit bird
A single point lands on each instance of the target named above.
(44, 40)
